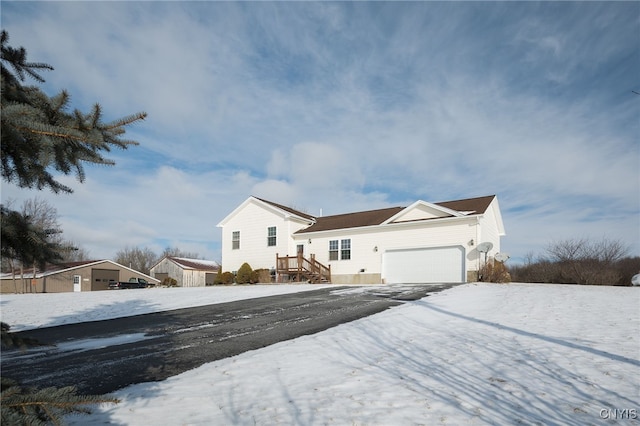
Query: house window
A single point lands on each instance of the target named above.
(333, 250)
(235, 240)
(345, 249)
(271, 236)
(340, 249)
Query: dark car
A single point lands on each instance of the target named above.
(132, 283)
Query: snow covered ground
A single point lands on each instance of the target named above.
(475, 354)
(27, 311)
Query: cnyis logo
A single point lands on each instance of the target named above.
(619, 414)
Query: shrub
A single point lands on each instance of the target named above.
(580, 261)
(226, 278)
(262, 275)
(245, 274)
(495, 272)
(218, 278)
(170, 282)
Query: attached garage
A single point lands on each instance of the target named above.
(424, 265)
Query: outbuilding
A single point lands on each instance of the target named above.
(88, 275)
(187, 272)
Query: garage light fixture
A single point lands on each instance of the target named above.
(471, 242)
(375, 249)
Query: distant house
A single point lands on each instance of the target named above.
(422, 243)
(186, 272)
(88, 275)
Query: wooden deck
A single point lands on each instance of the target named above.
(301, 268)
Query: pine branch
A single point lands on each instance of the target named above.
(32, 406)
(39, 133)
(54, 134)
(125, 121)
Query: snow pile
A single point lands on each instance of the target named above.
(474, 354)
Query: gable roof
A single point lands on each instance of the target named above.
(195, 264)
(70, 266)
(286, 212)
(288, 209)
(477, 205)
(456, 208)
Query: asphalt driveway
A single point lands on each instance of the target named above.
(103, 356)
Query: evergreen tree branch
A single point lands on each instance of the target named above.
(39, 133)
(49, 405)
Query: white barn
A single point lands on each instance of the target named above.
(422, 243)
(186, 272)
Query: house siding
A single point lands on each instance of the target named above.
(253, 222)
(387, 237)
(419, 226)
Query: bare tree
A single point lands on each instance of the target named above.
(45, 216)
(140, 259)
(73, 253)
(176, 252)
(585, 261)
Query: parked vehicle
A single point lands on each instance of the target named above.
(132, 283)
(635, 280)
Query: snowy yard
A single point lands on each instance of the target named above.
(474, 354)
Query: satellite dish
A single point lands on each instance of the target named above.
(485, 247)
(501, 257)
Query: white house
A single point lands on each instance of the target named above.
(186, 272)
(422, 243)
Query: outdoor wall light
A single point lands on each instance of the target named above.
(375, 249)
(309, 240)
(471, 242)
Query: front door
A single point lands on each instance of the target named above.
(301, 250)
(77, 283)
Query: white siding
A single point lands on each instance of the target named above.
(489, 231)
(420, 212)
(368, 244)
(253, 221)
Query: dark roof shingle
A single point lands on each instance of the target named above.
(288, 209)
(351, 220)
(376, 217)
(476, 205)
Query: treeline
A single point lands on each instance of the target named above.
(143, 258)
(38, 221)
(580, 261)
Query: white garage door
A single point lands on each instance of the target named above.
(425, 265)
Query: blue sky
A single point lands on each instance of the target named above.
(346, 107)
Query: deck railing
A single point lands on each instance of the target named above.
(301, 267)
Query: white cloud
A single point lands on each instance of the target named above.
(324, 105)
